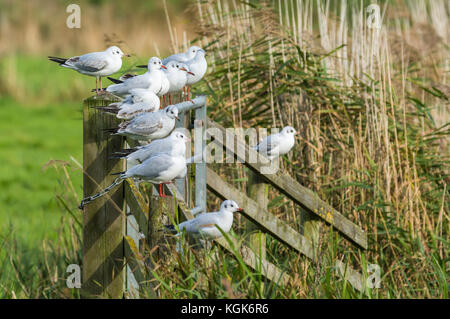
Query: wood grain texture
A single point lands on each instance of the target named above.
(103, 219)
(259, 215)
(258, 191)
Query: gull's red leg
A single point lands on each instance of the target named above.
(170, 99)
(189, 97)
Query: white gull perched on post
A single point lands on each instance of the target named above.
(204, 225)
(138, 102)
(198, 67)
(151, 80)
(182, 57)
(174, 144)
(98, 64)
(159, 169)
(277, 144)
(176, 73)
(149, 126)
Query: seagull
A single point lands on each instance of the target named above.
(174, 144)
(98, 64)
(204, 225)
(195, 61)
(165, 86)
(198, 66)
(151, 80)
(129, 111)
(176, 73)
(149, 126)
(277, 144)
(183, 57)
(138, 102)
(161, 168)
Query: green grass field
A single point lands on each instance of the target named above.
(31, 137)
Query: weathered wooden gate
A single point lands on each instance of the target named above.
(115, 225)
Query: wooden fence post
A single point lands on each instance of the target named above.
(257, 189)
(310, 228)
(103, 219)
(159, 210)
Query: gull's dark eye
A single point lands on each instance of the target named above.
(154, 62)
(226, 206)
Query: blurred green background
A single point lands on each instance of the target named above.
(40, 102)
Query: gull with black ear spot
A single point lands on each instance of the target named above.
(277, 144)
(139, 101)
(198, 66)
(98, 64)
(183, 57)
(176, 74)
(174, 145)
(151, 80)
(205, 225)
(149, 126)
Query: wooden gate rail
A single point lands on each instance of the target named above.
(265, 220)
(269, 270)
(276, 227)
(289, 186)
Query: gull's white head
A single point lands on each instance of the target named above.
(171, 111)
(288, 130)
(155, 64)
(200, 53)
(172, 66)
(180, 137)
(115, 51)
(145, 95)
(179, 140)
(192, 51)
(230, 206)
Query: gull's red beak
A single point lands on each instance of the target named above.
(183, 69)
(190, 73)
(163, 66)
(239, 209)
(127, 55)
